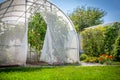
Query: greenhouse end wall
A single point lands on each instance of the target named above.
(61, 43)
(13, 34)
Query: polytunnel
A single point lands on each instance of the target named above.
(61, 43)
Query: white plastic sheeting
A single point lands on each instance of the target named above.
(13, 33)
(61, 41)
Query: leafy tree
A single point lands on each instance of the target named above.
(102, 39)
(93, 41)
(110, 36)
(36, 32)
(84, 17)
(117, 49)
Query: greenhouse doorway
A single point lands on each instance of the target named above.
(36, 33)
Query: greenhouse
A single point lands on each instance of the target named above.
(61, 42)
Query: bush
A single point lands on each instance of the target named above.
(91, 59)
(83, 56)
(115, 63)
(105, 58)
(101, 39)
(111, 34)
(117, 49)
(93, 41)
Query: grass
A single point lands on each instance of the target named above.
(61, 73)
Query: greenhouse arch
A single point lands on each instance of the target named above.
(61, 43)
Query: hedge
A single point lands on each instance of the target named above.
(100, 39)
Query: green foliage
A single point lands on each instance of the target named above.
(117, 49)
(93, 41)
(91, 59)
(83, 57)
(105, 58)
(111, 34)
(84, 17)
(61, 73)
(36, 32)
(115, 63)
(102, 39)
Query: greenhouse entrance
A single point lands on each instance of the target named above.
(36, 34)
(61, 43)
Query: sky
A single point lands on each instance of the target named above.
(112, 7)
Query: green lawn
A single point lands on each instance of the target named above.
(61, 73)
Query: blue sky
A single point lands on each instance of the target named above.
(112, 7)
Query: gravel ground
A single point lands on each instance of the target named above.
(90, 64)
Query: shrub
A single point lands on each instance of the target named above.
(83, 56)
(105, 58)
(115, 63)
(111, 34)
(93, 41)
(100, 39)
(91, 59)
(117, 49)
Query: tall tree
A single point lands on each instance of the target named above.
(84, 17)
(111, 34)
(117, 48)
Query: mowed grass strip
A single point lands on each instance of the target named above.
(61, 73)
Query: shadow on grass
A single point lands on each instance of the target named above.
(30, 69)
(23, 69)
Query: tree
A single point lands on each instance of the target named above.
(36, 32)
(93, 41)
(110, 36)
(84, 17)
(117, 49)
